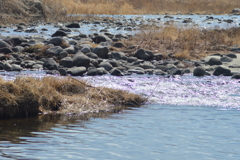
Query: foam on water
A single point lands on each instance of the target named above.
(185, 90)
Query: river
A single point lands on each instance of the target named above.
(186, 118)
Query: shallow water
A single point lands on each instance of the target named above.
(198, 21)
(186, 118)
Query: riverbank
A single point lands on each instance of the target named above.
(29, 96)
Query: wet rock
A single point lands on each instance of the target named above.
(187, 20)
(222, 70)
(101, 52)
(50, 64)
(214, 61)
(66, 62)
(77, 71)
(106, 65)
(199, 71)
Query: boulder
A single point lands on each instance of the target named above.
(199, 71)
(16, 67)
(50, 64)
(6, 50)
(222, 70)
(4, 44)
(118, 45)
(106, 65)
(77, 71)
(14, 40)
(66, 62)
(57, 41)
(214, 61)
(117, 55)
(236, 76)
(116, 72)
(143, 54)
(59, 33)
(101, 52)
(96, 71)
(73, 25)
(54, 51)
(231, 55)
(226, 59)
(81, 60)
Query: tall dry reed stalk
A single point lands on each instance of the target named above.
(185, 43)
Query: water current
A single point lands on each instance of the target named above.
(186, 118)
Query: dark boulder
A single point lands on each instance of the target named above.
(221, 70)
(59, 33)
(143, 54)
(214, 61)
(101, 52)
(66, 62)
(81, 60)
(77, 71)
(73, 25)
(50, 64)
(199, 71)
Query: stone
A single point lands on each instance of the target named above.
(222, 70)
(226, 59)
(214, 61)
(73, 25)
(7, 66)
(236, 76)
(14, 40)
(54, 51)
(106, 65)
(142, 54)
(6, 50)
(81, 60)
(16, 67)
(77, 71)
(50, 64)
(59, 33)
(101, 52)
(199, 71)
(116, 72)
(57, 41)
(231, 55)
(66, 62)
(117, 55)
(118, 45)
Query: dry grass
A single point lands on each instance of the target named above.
(28, 96)
(191, 43)
(149, 7)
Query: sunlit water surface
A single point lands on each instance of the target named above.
(186, 118)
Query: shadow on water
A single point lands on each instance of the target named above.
(12, 130)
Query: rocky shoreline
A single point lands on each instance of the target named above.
(97, 54)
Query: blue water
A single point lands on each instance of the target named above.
(150, 132)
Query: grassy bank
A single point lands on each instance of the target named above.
(147, 7)
(28, 96)
(180, 43)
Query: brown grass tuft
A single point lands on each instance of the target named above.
(28, 96)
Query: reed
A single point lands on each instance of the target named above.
(28, 96)
(184, 43)
(148, 7)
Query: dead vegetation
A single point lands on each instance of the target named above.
(28, 96)
(184, 43)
